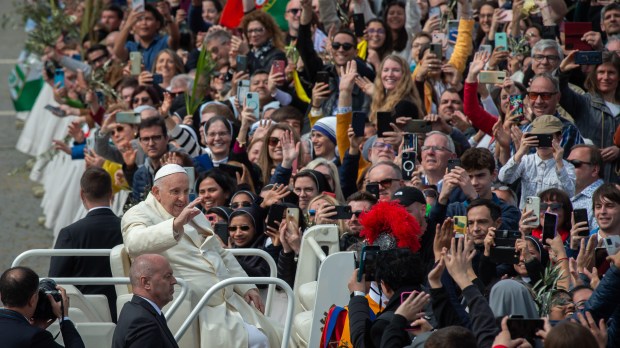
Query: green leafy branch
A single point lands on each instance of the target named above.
(204, 72)
(543, 289)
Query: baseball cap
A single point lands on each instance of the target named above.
(406, 196)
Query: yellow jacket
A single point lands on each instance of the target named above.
(342, 126)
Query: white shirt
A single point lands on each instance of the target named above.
(538, 175)
(152, 304)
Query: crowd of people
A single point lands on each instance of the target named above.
(473, 146)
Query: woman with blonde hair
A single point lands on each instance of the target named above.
(265, 40)
(330, 171)
(393, 91)
(276, 157)
(320, 210)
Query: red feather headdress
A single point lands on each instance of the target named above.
(391, 218)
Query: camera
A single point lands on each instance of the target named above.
(44, 309)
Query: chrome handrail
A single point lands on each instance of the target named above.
(273, 271)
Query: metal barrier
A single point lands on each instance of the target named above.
(273, 271)
(96, 280)
(243, 280)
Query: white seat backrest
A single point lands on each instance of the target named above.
(332, 289)
(78, 300)
(94, 335)
(309, 262)
(119, 264)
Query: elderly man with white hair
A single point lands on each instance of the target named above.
(166, 223)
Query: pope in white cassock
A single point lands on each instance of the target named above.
(166, 224)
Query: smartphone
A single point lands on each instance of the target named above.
(231, 170)
(453, 163)
(501, 40)
(221, 230)
(59, 78)
(524, 328)
(533, 203)
(136, 62)
(544, 140)
(503, 254)
(243, 88)
(506, 16)
(600, 255)
(77, 56)
(252, 101)
(589, 58)
(492, 77)
(373, 189)
(368, 262)
(549, 227)
(434, 12)
(404, 295)
(292, 215)
(612, 244)
(573, 32)
(418, 126)
(137, 5)
(279, 66)
(408, 159)
(453, 31)
(516, 106)
(55, 110)
(359, 24)
(242, 63)
(90, 143)
(158, 79)
(383, 123)
(437, 50)
(506, 238)
(191, 176)
(343, 212)
(460, 226)
(486, 48)
(581, 215)
(322, 76)
(212, 218)
(410, 142)
(276, 212)
(358, 122)
(128, 117)
(439, 38)
(549, 32)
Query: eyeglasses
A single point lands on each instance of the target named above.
(544, 95)
(380, 145)
(142, 100)
(552, 206)
(256, 31)
(273, 141)
(376, 31)
(220, 134)
(549, 58)
(294, 11)
(237, 205)
(345, 46)
(578, 163)
(243, 228)
(98, 59)
(154, 138)
(385, 183)
(435, 148)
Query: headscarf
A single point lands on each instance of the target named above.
(322, 184)
(509, 297)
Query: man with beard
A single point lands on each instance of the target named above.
(359, 202)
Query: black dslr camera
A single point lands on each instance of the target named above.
(44, 307)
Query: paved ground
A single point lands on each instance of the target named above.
(19, 209)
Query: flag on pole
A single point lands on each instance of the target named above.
(232, 14)
(25, 82)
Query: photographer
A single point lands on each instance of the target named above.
(23, 320)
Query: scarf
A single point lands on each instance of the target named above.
(260, 52)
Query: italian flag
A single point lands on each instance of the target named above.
(233, 12)
(25, 82)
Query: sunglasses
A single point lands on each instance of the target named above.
(118, 129)
(357, 213)
(273, 141)
(385, 183)
(544, 95)
(345, 46)
(578, 163)
(142, 100)
(294, 11)
(552, 206)
(244, 228)
(237, 205)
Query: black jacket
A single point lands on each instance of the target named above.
(17, 332)
(100, 229)
(139, 326)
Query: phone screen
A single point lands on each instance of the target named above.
(358, 122)
(549, 227)
(524, 328)
(383, 123)
(368, 263)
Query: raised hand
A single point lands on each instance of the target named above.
(347, 77)
(364, 83)
(273, 196)
(290, 149)
(413, 305)
(320, 93)
(186, 215)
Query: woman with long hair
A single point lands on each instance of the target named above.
(595, 112)
(168, 64)
(265, 39)
(274, 157)
(379, 38)
(215, 187)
